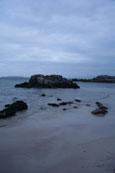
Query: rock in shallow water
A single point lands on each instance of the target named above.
(22, 85)
(48, 81)
(53, 104)
(43, 95)
(101, 111)
(77, 100)
(75, 107)
(58, 99)
(64, 109)
(11, 109)
(99, 104)
(65, 103)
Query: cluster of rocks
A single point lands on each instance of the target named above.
(64, 103)
(48, 81)
(11, 109)
(101, 110)
(60, 104)
(99, 79)
(38, 81)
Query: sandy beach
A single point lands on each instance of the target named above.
(57, 86)
(50, 140)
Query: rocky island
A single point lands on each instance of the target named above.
(99, 79)
(48, 81)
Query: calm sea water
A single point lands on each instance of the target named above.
(49, 140)
(88, 93)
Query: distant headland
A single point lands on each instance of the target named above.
(98, 79)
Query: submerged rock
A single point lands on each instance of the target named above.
(77, 100)
(43, 95)
(48, 81)
(60, 104)
(64, 109)
(53, 104)
(88, 105)
(58, 99)
(75, 107)
(11, 109)
(65, 103)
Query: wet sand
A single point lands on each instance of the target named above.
(71, 142)
(45, 139)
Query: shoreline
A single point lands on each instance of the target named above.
(51, 140)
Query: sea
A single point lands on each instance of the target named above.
(50, 139)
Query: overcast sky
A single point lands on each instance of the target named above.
(68, 37)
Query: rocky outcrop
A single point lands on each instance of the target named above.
(99, 79)
(22, 85)
(60, 104)
(101, 110)
(48, 81)
(11, 109)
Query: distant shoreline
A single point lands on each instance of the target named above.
(98, 79)
(13, 77)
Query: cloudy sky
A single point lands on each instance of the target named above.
(68, 37)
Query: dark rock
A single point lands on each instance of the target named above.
(43, 95)
(64, 109)
(102, 110)
(60, 104)
(43, 108)
(88, 105)
(53, 104)
(22, 85)
(77, 100)
(58, 99)
(11, 109)
(103, 107)
(99, 111)
(48, 81)
(65, 103)
(6, 106)
(99, 104)
(75, 107)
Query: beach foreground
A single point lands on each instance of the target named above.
(49, 140)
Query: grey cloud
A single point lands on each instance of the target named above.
(61, 31)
